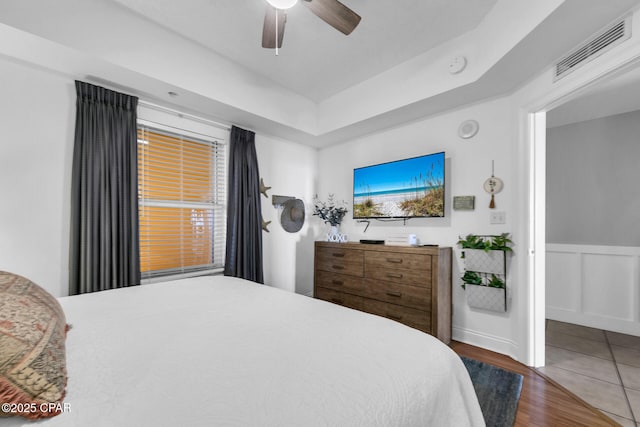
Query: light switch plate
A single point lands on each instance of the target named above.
(499, 217)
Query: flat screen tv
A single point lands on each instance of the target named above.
(409, 188)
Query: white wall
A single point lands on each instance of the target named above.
(290, 170)
(468, 165)
(592, 180)
(36, 150)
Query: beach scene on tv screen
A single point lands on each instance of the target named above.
(405, 188)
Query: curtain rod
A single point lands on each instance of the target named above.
(181, 114)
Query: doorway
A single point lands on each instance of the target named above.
(593, 247)
(536, 153)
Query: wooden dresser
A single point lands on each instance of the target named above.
(411, 285)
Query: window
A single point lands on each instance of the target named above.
(181, 189)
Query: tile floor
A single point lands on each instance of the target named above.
(601, 367)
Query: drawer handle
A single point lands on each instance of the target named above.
(394, 294)
(395, 260)
(337, 282)
(394, 316)
(395, 275)
(338, 255)
(338, 267)
(337, 300)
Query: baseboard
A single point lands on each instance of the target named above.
(593, 321)
(487, 341)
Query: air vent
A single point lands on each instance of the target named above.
(596, 46)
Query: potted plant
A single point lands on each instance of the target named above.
(332, 213)
(485, 253)
(499, 242)
(485, 270)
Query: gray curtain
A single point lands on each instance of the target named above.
(244, 215)
(104, 246)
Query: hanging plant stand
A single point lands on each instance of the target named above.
(487, 297)
(485, 277)
(484, 261)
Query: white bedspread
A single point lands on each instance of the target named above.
(217, 351)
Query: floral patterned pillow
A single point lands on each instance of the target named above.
(33, 373)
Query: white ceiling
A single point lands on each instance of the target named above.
(324, 87)
(316, 60)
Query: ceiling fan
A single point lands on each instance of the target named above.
(332, 12)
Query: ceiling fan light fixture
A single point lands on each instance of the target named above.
(282, 4)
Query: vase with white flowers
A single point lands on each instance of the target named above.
(332, 212)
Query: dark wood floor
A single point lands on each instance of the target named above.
(543, 402)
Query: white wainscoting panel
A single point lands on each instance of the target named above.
(563, 281)
(606, 284)
(596, 286)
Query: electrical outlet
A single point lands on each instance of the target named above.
(498, 217)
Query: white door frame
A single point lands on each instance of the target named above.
(535, 150)
(537, 236)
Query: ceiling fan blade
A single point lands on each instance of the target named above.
(335, 14)
(269, 28)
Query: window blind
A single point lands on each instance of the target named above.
(181, 190)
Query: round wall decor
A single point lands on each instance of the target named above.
(468, 129)
(493, 185)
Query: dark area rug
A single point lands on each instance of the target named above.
(498, 392)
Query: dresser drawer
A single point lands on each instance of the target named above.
(414, 262)
(340, 298)
(407, 269)
(339, 260)
(340, 282)
(406, 295)
(409, 316)
(399, 275)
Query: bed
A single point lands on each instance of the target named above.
(220, 351)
